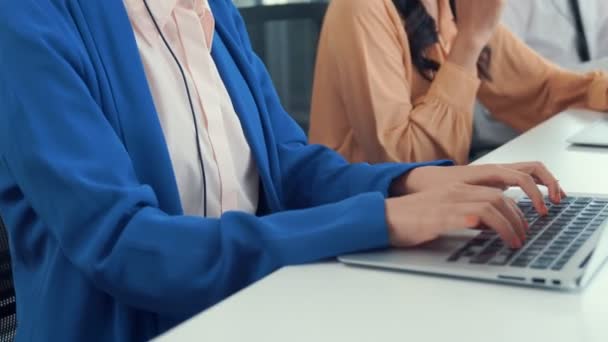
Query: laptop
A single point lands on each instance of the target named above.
(594, 135)
(563, 251)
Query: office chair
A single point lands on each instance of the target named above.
(8, 315)
(285, 37)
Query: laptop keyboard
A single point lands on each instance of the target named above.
(551, 242)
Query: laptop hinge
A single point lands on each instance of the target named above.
(597, 257)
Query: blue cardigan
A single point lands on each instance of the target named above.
(100, 247)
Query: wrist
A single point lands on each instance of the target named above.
(471, 41)
(411, 184)
(465, 52)
(398, 187)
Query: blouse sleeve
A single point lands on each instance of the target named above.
(526, 89)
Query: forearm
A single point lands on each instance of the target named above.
(179, 265)
(524, 94)
(438, 126)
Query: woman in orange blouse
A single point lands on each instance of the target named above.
(396, 80)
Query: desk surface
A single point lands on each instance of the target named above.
(333, 302)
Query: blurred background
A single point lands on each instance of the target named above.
(284, 34)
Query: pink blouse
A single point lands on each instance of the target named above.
(232, 177)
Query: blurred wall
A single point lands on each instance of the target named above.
(288, 48)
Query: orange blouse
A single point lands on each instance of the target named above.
(370, 104)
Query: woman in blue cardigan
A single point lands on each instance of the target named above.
(117, 234)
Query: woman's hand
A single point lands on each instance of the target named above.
(477, 21)
(422, 217)
(524, 175)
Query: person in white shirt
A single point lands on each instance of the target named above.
(571, 33)
(567, 32)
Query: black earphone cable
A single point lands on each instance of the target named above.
(196, 131)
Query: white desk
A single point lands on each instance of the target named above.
(333, 302)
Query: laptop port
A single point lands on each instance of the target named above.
(540, 281)
(557, 282)
(511, 278)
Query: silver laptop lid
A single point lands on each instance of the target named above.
(595, 134)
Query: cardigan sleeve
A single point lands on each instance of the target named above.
(77, 181)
